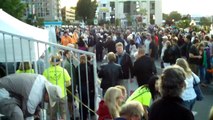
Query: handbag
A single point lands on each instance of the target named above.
(198, 91)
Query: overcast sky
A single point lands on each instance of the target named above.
(192, 7)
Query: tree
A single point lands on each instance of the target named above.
(129, 19)
(93, 9)
(165, 16)
(183, 24)
(175, 15)
(91, 17)
(40, 22)
(13, 7)
(117, 22)
(172, 17)
(85, 10)
(205, 21)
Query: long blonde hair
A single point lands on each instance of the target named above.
(111, 98)
(183, 63)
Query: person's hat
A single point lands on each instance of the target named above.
(55, 60)
(165, 37)
(148, 34)
(175, 38)
(54, 93)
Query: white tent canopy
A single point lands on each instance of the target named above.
(12, 25)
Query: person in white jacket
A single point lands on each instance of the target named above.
(23, 95)
(188, 95)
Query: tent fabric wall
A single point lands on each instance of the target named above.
(14, 26)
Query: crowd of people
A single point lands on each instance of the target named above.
(132, 54)
(124, 54)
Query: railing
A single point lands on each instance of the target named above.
(15, 49)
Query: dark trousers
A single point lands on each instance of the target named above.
(85, 112)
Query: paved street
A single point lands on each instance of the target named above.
(201, 107)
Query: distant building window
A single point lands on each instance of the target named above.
(104, 5)
(126, 8)
(112, 5)
(153, 5)
(104, 16)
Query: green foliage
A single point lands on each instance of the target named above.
(94, 6)
(175, 15)
(34, 20)
(90, 21)
(85, 10)
(183, 24)
(205, 21)
(66, 22)
(29, 19)
(13, 7)
(152, 21)
(165, 16)
(129, 19)
(117, 22)
(102, 22)
(196, 28)
(40, 22)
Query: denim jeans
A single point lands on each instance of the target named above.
(202, 74)
(189, 104)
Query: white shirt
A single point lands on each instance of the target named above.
(36, 94)
(189, 93)
(146, 43)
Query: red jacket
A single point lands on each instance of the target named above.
(103, 111)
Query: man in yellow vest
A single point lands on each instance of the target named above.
(57, 75)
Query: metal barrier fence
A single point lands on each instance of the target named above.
(15, 50)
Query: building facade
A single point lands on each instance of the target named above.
(49, 10)
(68, 14)
(110, 10)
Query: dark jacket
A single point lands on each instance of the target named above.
(119, 39)
(126, 65)
(103, 111)
(73, 74)
(110, 46)
(110, 74)
(171, 54)
(83, 89)
(193, 50)
(169, 108)
(91, 41)
(144, 68)
(83, 77)
(185, 49)
(99, 46)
